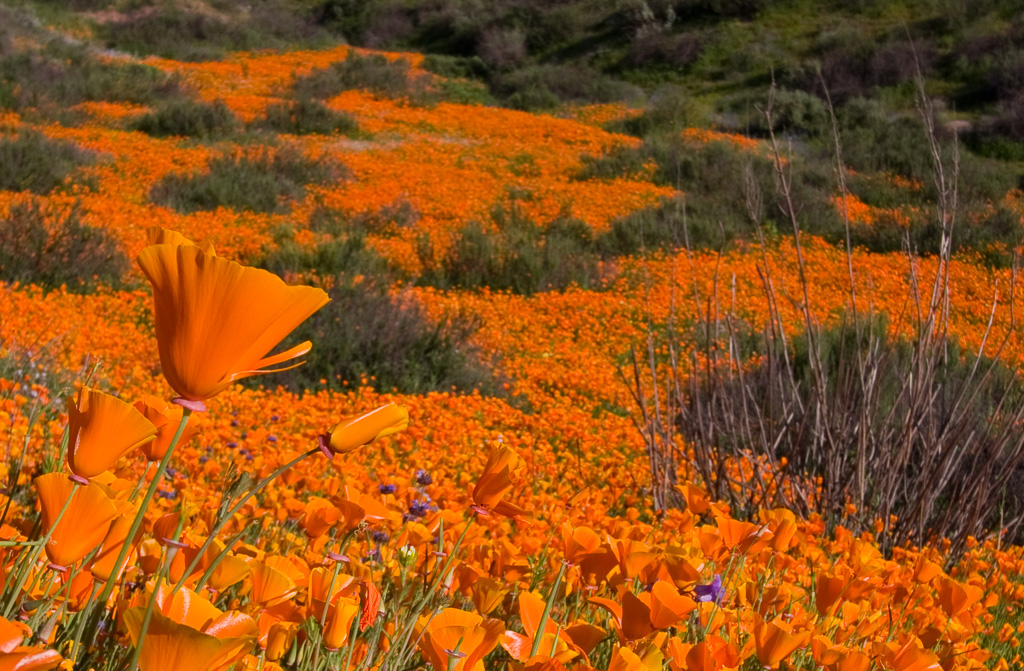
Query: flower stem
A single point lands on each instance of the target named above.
(33, 555)
(231, 513)
(539, 634)
(108, 589)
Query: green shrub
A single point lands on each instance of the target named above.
(343, 257)
(308, 117)
(373, 73)
(60, 75)
(51, 249)
(366, 333)
(188, 118)
(259, 181)
(172, 30)
(539, 87)
(520, 256)
(30, 161)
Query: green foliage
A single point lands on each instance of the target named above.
(547, 86)
(59, 75)
(520, 256)
(183, 32)
(188, 118)
(308, 117)
(260, 181)
(53, 248)
(30, 161)
(366, 333)
(373, 73)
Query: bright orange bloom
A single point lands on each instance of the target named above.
(340, 615)
(170, 646)
(496, 481)
(166, 418)
(29, 659)
(216, 320)
(85, 522)
(774, 641)
(353, 432)
(102, 429)
(102, 566)
(460, 634)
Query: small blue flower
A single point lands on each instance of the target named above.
(423, 478)
(712, 591)
(387, 489)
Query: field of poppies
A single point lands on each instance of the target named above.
(470, 471)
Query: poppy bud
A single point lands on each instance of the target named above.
(353, 432)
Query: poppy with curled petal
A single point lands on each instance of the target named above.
(102, 429)
(85, 522)
(217, 320)
(502, 468)
(170, 646)
(353, 432)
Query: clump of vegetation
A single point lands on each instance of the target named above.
(260, 181)
(184, 33)
(59, 75)
(365, 333)
(52, 247)
(519, 255)
(373, 73)
(188, 118)
(30, 161)
(308, 117)
(368, 333)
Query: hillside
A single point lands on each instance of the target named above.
(632, 360)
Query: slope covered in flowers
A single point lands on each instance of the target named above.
(593, 576)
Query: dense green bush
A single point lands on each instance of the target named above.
(59, 75)
(261, 181)
(373, 73)
(49, 248)
(188, 118)
(366, 333)
(308, 117)
(342, 257)
(177, 31)
(30, 161)
(519, 255)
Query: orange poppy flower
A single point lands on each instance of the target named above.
(170, 646)
(458, 634)
(102, 566)
(774, 641)
(216, 320)
(496, 481)
(353, 432)
(85, 522)
(29, 659)
(166, 418)
(340, 615)
(102, 429)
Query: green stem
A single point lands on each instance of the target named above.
(165, 565)
(33, 555)
(231, 513)
(220, 557)
(83, 617)
(108, 589)
(547, 611)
